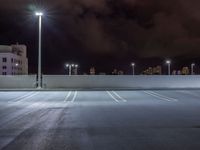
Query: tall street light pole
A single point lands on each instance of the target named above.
(133, 67)
(168, 62)
(192, 68)
(76, 69)
(70, 66)
(39, 14)
(70, 70)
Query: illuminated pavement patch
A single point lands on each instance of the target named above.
(100, 120)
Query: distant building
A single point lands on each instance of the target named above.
(185, 71)
(120, 72)
(178, 72)
(153, 71)
(75, 71)
(148, 71)
(115, 72)
(92, 71)
(174, 72)
(157, 70)
(13, 60)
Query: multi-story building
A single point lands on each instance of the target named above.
(157, 70)
(153, 71)
(185, 71)
(13, 60)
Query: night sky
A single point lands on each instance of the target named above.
(106, 34)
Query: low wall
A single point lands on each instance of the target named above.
(17, 81)
(121, 82)
(101, 82)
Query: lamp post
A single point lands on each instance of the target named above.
(76, 70)
(192, 68)
(39, 14)
(70, 66)
(168, 62)
(133, 67)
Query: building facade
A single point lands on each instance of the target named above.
(153, 71)
(13, 60)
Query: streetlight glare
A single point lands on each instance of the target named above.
(39, 13)
(168, 62)
(132, 64)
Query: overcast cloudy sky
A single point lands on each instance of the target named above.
(97, 31)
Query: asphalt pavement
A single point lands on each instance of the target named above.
(100, 120)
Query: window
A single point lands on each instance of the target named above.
(4, 59)
(4, 67)
(12, 60)
(4, 73)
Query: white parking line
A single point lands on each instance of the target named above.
(124, 100)
(68, 95)
(112, 96)
(27, 97)
(157, 96)
(170, 98)
(21, 97)
(73, 99)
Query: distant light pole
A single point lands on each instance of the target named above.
(39, 14)
(168, 62)
(76, 69)
(192, 68)
(70, 66)
(133, 67)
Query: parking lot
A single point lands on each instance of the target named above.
(100, 120)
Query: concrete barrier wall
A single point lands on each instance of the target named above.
(101, 82)
(18, 81)
(121, 82)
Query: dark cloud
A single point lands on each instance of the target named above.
(120, 28)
